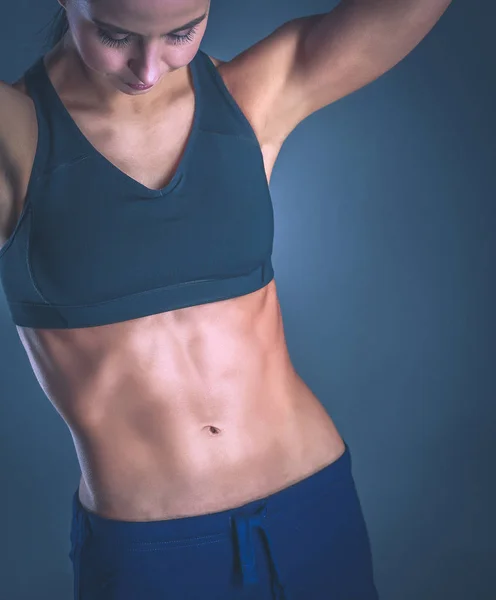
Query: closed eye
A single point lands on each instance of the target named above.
(176, 39)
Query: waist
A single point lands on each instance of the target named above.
(151, 468)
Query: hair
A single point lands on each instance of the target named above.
(57, 28)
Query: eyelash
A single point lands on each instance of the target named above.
(113, 43)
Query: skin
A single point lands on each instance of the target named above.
(150, 58)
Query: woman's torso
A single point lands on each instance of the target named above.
(186, 412)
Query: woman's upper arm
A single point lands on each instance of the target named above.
(8, 111)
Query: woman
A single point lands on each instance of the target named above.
(137, 232)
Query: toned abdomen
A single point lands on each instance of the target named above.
(187, 412)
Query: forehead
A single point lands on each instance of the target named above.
(144, 14)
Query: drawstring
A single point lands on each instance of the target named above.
(244, 525)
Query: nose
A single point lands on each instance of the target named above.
(146, 66)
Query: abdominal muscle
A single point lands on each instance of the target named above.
(187, 412)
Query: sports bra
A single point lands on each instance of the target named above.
(94, 246)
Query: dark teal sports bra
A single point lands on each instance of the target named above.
(94, 246)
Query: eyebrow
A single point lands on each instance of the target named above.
(120, 30)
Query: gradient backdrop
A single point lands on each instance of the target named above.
(384, 258)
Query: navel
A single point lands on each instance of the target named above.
(212, 430)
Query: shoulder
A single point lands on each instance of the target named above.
(17, 114)
(18, 124)
(18, 133)
(11, 94)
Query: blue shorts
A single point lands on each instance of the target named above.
(306, 542)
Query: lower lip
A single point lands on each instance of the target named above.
(139, 87)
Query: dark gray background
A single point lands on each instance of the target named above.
(384, 258)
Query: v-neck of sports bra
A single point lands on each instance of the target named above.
(141, 189)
